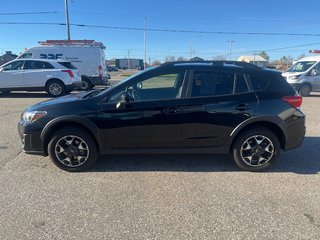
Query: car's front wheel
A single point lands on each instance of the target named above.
(256, 149)
(72, 149)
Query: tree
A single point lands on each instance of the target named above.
(112, 61)
(264, 55)
(156, 62)
(169, 59)
(181, 59)
(301, 56)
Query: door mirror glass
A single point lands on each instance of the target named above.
(139, 85)
(125, 100)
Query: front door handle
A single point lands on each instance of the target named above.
(242, 107)
(171, 110)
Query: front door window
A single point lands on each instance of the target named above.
(159, 87)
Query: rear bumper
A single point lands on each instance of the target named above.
(74, 85)
(295, 130)
(99, 80)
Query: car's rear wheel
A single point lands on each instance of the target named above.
(86, 85)
(256, 149)
(55, 88)
(305, 90)
(72, 149)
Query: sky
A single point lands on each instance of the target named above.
(204, 18)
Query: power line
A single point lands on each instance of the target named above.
(26, 13)
(167, 30)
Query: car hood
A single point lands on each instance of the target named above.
(60, 100)
(289, 74)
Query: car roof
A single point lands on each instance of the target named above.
(190, 64)
(41, 59)
(310, 58)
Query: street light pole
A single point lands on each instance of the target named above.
(230, 48)
(145, 43)
(67, 19)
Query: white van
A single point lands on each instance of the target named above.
(86, 55)
(304, 75)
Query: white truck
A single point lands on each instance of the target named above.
(304, 75)
(86, 55)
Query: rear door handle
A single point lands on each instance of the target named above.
(242, 107)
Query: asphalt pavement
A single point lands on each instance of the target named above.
(157, 196)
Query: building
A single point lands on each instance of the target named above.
(129, 63)
(254, 59)
(7, 57)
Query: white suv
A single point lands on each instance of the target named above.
(54, 76)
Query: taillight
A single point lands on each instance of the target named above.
(100, 71)
(69, 72)
(294, 101)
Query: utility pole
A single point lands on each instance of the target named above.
(67, 19)
(128, 58)
(145, 43)
(230, 48)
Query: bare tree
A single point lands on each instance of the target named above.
(181, 59)
(156, 62)
(169, 59)
(264, 55)
(301, 56)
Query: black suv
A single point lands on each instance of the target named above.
(180, 107)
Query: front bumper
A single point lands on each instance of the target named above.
(296, 86)
(31, 142)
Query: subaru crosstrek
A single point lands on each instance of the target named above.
(180, 107)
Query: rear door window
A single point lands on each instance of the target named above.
(37, 65)
(240, 84)
(259, 81)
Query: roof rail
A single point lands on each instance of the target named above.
(213, 63)
(72, 43)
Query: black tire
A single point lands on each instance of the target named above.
(55, 88)
(72, 149)
(305, 90)
(86, 85)
(251, 159)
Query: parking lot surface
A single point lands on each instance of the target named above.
(157, 196)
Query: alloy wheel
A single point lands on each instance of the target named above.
(72, 151)
(257, 151)
(55, 89)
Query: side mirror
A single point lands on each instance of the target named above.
(313, 72)
(125, 100)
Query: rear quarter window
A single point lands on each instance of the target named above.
(67, 65)
(271, 82)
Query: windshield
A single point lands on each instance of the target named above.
(125, 80)
(301, 66)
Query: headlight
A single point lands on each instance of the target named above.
(32, 116)
(295, 77)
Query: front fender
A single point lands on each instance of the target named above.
(67, 120)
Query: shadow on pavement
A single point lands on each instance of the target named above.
(304, 160)
(24, 95)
